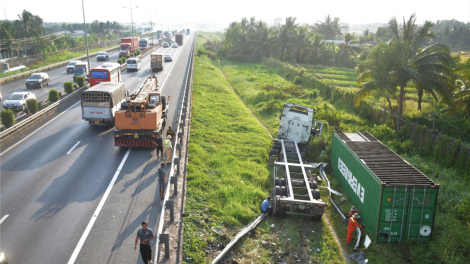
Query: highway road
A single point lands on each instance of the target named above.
(57, 76)
(54, 180)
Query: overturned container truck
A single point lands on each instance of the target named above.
(295, 188)
(397, 202)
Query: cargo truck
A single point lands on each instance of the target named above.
(187, 31)
(295, 188)
(166, 34)
(142, 116)
(396, 201)
(156, 61)
(179, 39)
(100, 102)
(128, 46)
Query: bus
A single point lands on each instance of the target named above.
(100, 102)
(143, 44)
(107, 72)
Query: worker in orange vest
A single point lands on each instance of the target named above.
(352, 226)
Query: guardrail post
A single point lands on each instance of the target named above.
(165, 239)
(177, 162)
(174, 181)
(182, 124)
(169, 205)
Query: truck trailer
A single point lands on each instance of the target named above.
(100, 102)
(156, 61)
(142, 116)
(295, 187)
(179, 39)
(128, 46)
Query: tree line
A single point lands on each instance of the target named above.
(29, 33)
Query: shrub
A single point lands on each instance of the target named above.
(8, 118)
(32, 105)
(119, 61)
(54, 95)
(297, 80)
(68, 87)
(80, 81)
(128, 56)
(123, 59)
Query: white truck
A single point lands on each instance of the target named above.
(295, 188)
(100, 102)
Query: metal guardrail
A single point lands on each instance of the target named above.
(173, 178)
(52, 66)
(15, 128)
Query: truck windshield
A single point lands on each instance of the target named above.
(79, 70)
(124, 47)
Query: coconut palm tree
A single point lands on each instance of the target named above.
(260, 47)
(330, 28)
(346, 50)
(462, 98)
(316, 48)
(282, 44)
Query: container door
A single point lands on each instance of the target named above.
(421, 212)
(393, 214)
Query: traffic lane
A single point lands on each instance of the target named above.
(57, 81)
(136, 197)
(54, 193)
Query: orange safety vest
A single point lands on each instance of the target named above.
(353, 224)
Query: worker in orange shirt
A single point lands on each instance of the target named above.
(352, 226)
(352, 211)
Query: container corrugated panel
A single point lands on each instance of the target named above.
(396, 201)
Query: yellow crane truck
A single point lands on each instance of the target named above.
(142, 116)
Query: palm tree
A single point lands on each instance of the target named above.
(462, 98)
(260, 47)
(301, 42)
(281, 47)
(346, 50)
(330, 28)
(316, 48)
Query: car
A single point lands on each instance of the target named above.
(40, 80)
(173, 41)
(133, 64)
(102, 56)
(166, 45)
(70, 66)
(168, 57)
(17, 101)
(174, 45)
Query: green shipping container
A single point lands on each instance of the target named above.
(395, 200)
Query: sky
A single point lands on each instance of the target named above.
(216, 15)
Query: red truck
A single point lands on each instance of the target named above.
(127, 47)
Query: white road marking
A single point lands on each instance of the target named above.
(34, 132)
(139, 79)
(98, 209)
(168, 75)
(3, 218)
(73, 147)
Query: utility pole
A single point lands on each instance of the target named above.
(132, 23)
(86, 40)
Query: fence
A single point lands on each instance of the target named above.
(30, 60)
(446, 150)
(163, 238)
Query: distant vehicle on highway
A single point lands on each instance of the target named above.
(156, 60)
(168, 57)
(17, 101)
(102, 56)
(40, 80)
(100, 103)
(173, 41)
(166, 45)
(174, 45)
(69, 68)
(144, 44)
(107, 72)
(81, 69)
(133, 64)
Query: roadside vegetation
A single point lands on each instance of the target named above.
(265, 91)
(229, 177)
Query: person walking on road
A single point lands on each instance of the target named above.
(161, 180)
(168, 149)
(145, 235)
(159, 145)
(170, 132)
(265, 206)
(352, 226)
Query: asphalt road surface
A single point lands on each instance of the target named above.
(53, 180)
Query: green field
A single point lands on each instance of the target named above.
(451, 238)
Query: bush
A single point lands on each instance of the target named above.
(68, 87)
(8, 118)
(32, 105)
(123, 59)
(297, 80)
(128, 56)
(119, 61)
(80, 81)
(54, 95)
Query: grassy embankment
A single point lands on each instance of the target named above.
(228, 178)
(59, 57)
(264, 91)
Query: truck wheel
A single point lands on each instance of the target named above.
(164, 103)
(277, 205)
(316, 194)
(283, 191)
(277, 190)
(283, 209)
(283, 182)
(277, 182)
(313, 185)
(271, 153)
